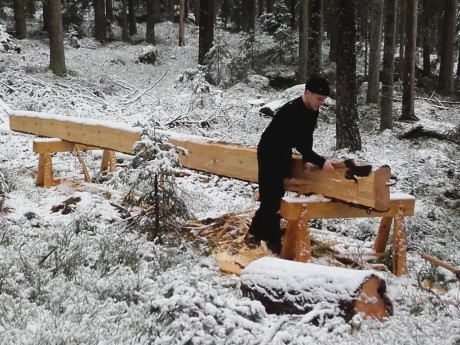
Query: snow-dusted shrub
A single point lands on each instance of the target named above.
(153, 193)
(6, 43)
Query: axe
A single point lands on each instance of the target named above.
(355, 171)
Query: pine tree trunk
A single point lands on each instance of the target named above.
(99, 21)
(260, 7)
(196, 11)
(408, 111)
(132, 17)
(56, 37)
(45, 15)
(150, 27)
(270, 6)
(124, 21)
(249, 16)
(426, 27)
(303, 41)
(206, 31)
(20, 19)
(446, 69)
(332, 30)
(315, 38)
(347, 130)
(402, 35)
(386, 101)
(181, 23)
(374, 51)
(157, 11)
(109, 10)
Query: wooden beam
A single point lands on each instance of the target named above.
(291, 208)
(103, 134)
(223, 159)
(51, 145)
(371, 191)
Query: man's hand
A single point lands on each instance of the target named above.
(328, 165)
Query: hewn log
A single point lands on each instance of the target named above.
(208, 155)
(289, 287)
(103, 134)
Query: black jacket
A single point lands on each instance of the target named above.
(292, 127)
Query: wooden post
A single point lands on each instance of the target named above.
(83, 164)
(383, 234)
(108, 161)
(399, 244)
(45, 170)
(296, 242)
(303, 245)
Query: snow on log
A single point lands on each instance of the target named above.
(289, 287)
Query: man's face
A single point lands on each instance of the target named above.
(313, 101)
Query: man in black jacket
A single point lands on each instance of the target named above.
(292, 127)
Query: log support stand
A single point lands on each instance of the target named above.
(298, 211)
(47, 147)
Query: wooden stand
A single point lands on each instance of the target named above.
(46, 147)
(297, 211)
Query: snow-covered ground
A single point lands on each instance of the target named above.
(83, 278)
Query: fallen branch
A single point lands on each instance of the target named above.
(438, 262)
(145, 91)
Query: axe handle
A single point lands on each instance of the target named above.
(441, 263)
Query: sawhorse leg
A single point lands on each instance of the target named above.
(45, 170)
(399, 244)
(108, 161)
(296, 242)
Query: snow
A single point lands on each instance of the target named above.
(84, 278)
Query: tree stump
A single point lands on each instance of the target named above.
(289, 287)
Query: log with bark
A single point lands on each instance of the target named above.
(289, 287)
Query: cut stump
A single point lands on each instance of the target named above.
(289, 287)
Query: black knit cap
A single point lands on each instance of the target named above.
(318, 85)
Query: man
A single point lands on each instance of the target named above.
(292, 127)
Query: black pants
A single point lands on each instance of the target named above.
(273, 169)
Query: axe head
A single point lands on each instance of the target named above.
(356, 170)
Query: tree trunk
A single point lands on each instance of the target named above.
(446, 69)
(386, 101)
(315, 38)
(408, 111)
(374, 51)
(303, 42)
(157, 11)
(109, 10)
(20, 19)
(347, 130)
(132, 17)
(181, 23)
(56, 37)
(402, 35)
(150, 27)
(196, 11)
(124, 20)
(332, 30)
(260, 7)
(45, 16)
(289, 287)
(99, 21)
(426, 28)
(249, 16)
(170, 12)
(206, 31)
(270, 6)
(30, 9)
